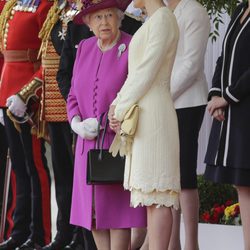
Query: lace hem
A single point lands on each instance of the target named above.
(172, 185)
(167, 198)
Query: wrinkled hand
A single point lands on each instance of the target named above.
(16, 105)
(83, 129)
(219, 114)
(1, 117)
(216, 103)
(114, 124)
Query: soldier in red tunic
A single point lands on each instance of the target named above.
(11, 199)
(20, 24)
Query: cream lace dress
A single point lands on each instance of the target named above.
(152, 170)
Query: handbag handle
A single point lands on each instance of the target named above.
(103, 135)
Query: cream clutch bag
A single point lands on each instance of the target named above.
(123, 140)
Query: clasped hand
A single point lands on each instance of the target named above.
(216, 108)
(87, 129)
(114, 124)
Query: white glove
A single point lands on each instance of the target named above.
(1, 117)
(91, 124)
(16, 105)
(85, 131)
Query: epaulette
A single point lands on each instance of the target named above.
(137, 18)
(5, 16)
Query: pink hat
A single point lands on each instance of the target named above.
(89, 6)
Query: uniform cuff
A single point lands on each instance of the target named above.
(30, 90)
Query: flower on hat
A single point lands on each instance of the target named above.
(89, 3)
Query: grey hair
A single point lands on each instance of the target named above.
(119, 13)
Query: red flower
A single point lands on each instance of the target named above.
(206, 217)
(219, 210)
(214, 218)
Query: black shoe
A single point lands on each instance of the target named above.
(74, 245)
(9, 244)
(29, 245)
(55, 245)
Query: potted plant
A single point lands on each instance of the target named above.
(219, 215)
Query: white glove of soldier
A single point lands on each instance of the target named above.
(16, 105)
(1, 117)
(85, 128)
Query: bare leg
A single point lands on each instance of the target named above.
(244, 200)
(120, 239)
(138, 237)
(175, 243)
(145, 245)
(189, 200)
(102, 239)
(159, 227)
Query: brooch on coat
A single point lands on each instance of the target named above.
(121, 49)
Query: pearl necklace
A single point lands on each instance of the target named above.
(110, 46)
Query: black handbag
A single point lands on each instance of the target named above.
(102, 167)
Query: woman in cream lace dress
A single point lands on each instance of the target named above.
(152, 169)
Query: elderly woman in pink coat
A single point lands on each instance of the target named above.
(99, 72)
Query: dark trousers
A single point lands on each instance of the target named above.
(32, 212)
(11, 195)
(89, 243)
(62, 161)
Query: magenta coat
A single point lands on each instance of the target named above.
(97, 77)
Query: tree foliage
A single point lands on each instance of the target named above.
(215, 9)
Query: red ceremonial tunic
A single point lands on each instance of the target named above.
(21, 33)
(2, 3)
